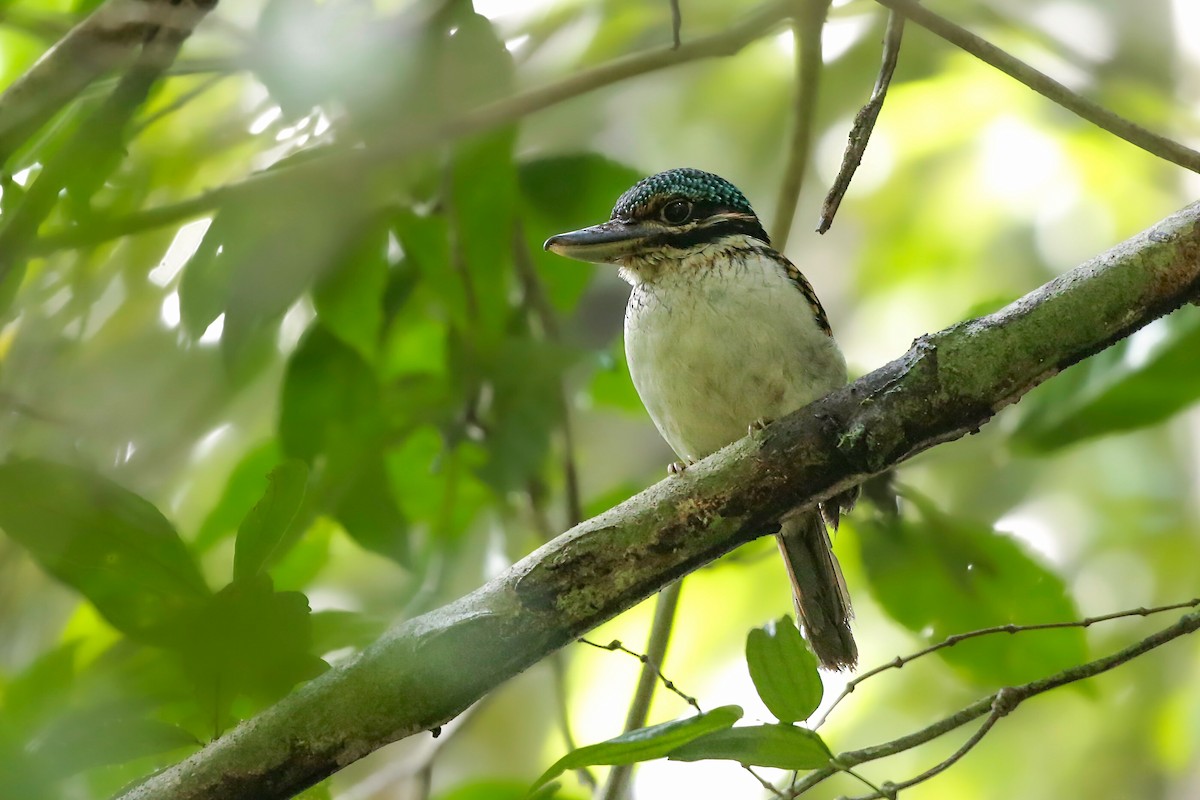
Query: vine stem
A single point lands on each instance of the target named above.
(616, 785)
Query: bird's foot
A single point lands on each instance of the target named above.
(758, 425)
(679, 467)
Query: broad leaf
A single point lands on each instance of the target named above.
(1145, 381)
(644, 744)
(243, 489)
(939, 575)
(784, 670)
(779, 746)
(111, 545)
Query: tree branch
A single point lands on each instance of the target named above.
(1046, 86)
(428, 669)
(409, 140)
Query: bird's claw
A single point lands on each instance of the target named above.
(679, 467)
(758, 425)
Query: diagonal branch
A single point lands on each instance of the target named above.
(428, 669)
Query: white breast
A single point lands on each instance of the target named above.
(715, 345)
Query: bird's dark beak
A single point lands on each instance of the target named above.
(602, 244)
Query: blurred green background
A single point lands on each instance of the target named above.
(380, 332)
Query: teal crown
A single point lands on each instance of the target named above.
(691, 184)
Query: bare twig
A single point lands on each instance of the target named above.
(950, 641)
(676, 24)
(615, 646)
(616, 784)
(806, 33)
(410, 140)
(864, 122)
(995, 705)
(1046, 86)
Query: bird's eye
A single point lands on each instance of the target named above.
(677, 212)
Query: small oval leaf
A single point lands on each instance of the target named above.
(784, 670)
(644, 744)
(779, 746)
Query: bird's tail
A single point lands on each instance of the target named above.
(822, 602)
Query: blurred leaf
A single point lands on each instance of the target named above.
(435, 484)
(106, 734)
(1150, 378)
(499, 789)
(267, 247)
(265, 527)
(243, 489)
(41, 688)
(644, 744)
(109, 544)
(368, 510)
(943, 575)
(303, 562)
(784, 670)
(484, 185)
(779, 746)
(611, 385)
(349, 299)
(248, 640)
(563, 193)
(330, 400)
(333, 630)
(526, 378)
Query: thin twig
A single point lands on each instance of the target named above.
(1046, 86)
(864, 122)
(616, 784)
(1005, 699)
(410, 140)
(676, 23)
(615, 646)
(950, 641)
(806, 34)
(766, 784)
(179, 102)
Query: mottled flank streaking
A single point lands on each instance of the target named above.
(691, 184)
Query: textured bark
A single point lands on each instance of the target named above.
(428, 669)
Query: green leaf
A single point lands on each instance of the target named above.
(784, 670)
(349, 300)
(246, 484)
(563, 193)
(779, 746)
(264, 529)
(333, 630)
(106, 734)
(248, 640)
(109, 544)
(644, 744)
(266, 248)
(1129, 389)
(942, 575)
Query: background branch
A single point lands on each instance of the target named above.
(428, 669)
(1046, 86)
(807, 27)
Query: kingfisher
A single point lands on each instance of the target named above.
(722, 334)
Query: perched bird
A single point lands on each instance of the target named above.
(722, 332)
